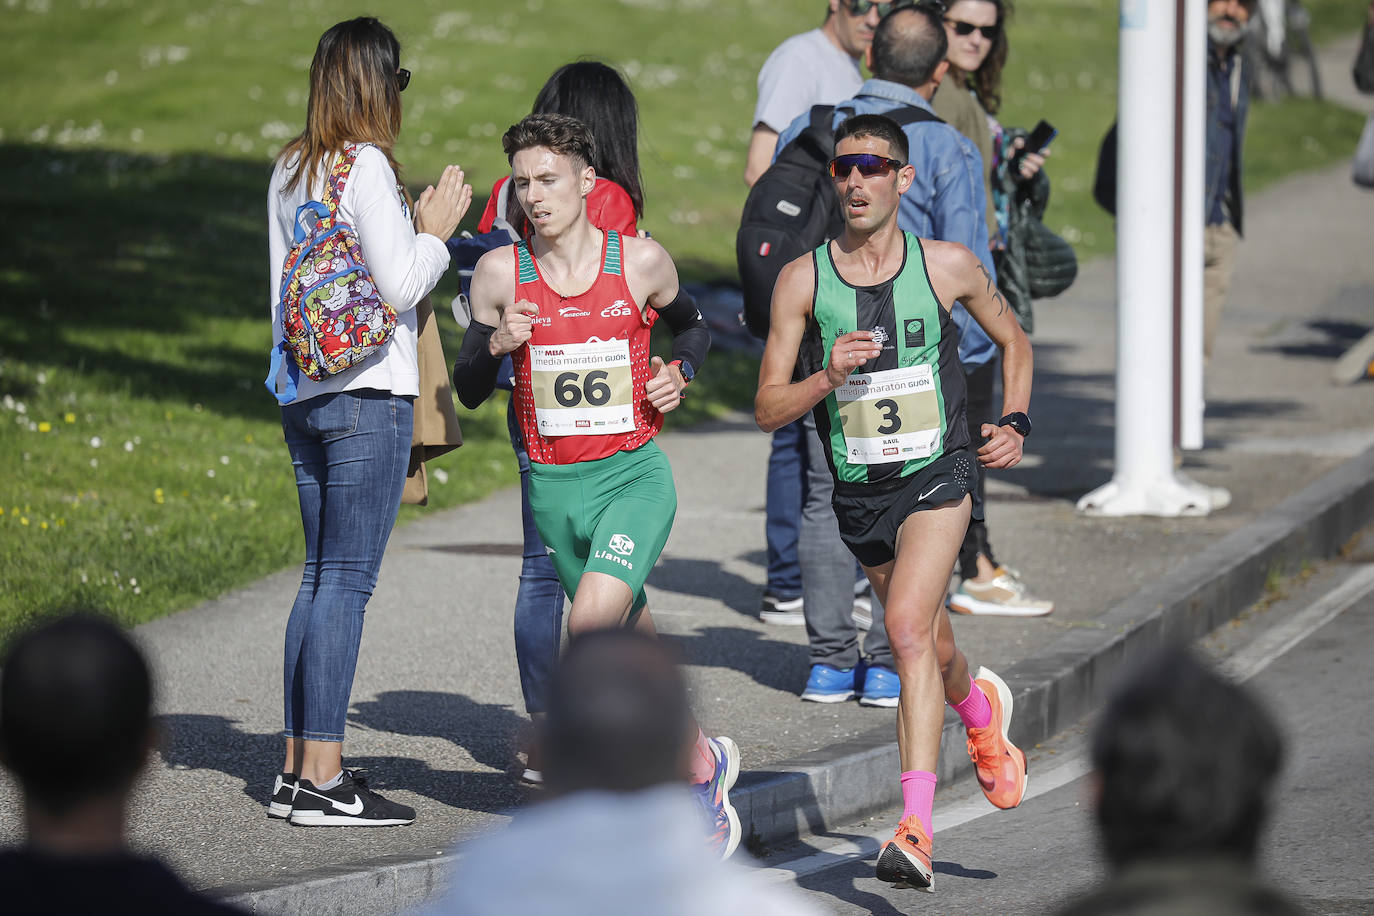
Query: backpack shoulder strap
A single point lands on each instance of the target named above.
(338, 176)
(910, 114)
(821, 117)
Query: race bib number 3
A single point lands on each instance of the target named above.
(583, 389)
(889, 416)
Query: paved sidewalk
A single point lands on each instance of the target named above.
(436, 702)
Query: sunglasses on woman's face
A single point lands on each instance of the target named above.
(964, 29)
(402, 79)
(867, 163)
(861, 7)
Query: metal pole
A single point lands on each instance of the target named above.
(1194, 70)
(1145, 482)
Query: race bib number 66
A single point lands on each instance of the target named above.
(887, 416)
(584, 389)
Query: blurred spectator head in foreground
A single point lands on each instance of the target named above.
(618, 717)
(75, 702)
(1186, 761)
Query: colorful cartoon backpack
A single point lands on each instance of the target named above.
(332, 315)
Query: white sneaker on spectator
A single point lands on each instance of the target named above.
(1004, 595)
(863, 607)
(782, 612)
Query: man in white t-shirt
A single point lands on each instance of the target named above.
(819, 67)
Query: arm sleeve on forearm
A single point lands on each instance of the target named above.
(691, 337)
(474, 372)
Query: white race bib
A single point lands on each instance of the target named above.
(584, 389)
(892, 415)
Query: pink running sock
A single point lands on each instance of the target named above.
(703, 759)
(975, 710)
(918, 797)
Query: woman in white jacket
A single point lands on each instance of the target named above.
(349, 434)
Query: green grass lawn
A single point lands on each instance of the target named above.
(143, 463)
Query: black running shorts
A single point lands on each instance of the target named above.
(870, 513)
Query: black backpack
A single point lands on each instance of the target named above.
(792, 209)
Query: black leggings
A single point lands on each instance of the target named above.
(980, 383)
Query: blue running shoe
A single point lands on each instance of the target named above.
(714, 794)
(828, 684)
(882, 687)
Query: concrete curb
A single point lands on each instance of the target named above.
(846, 781)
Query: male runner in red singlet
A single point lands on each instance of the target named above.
(574, 306)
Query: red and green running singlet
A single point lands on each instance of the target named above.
(579, 380)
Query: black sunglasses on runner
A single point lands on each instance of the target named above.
(868, 165)
(402, 79)
(861, 7)
(967, 28)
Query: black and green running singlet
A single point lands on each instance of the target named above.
(903, 410)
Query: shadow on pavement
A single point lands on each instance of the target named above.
(206, 742)
(857, 873)
(1240, 409)
(959, 871)
(484, 730)
(706, 579)
(489, 792)
(1319, 339)
(778, 665)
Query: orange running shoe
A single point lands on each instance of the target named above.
(1001, 765)
(905, 859)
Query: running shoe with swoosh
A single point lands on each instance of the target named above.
(714, 794)
(906, 858)
(283, 793)
(1001, 765)
(349, 804)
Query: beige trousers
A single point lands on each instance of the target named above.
(1218, 260)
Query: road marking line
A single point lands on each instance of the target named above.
(1242, 665)
(1270, 645)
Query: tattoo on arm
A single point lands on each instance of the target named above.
(996, 293)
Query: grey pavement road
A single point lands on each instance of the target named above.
(1045, 853)
(436, 703)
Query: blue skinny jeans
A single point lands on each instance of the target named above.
(539, 601)
(350, 450)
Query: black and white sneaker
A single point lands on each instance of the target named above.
(349, 804)
(283, 792)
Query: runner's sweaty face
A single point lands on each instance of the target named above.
(870, 203)
(551, 188)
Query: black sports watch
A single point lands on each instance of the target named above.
(688, 373)
(1017, 421)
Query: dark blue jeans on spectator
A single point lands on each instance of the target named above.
(539, 601)
(785, 492)
(350, 451)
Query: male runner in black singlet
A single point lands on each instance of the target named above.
(866, 320)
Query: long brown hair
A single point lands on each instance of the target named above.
(986, 81)
(354, 96)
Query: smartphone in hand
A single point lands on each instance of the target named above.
(1037, 140)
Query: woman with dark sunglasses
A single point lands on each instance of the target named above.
(348, 434)
(968, 98)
